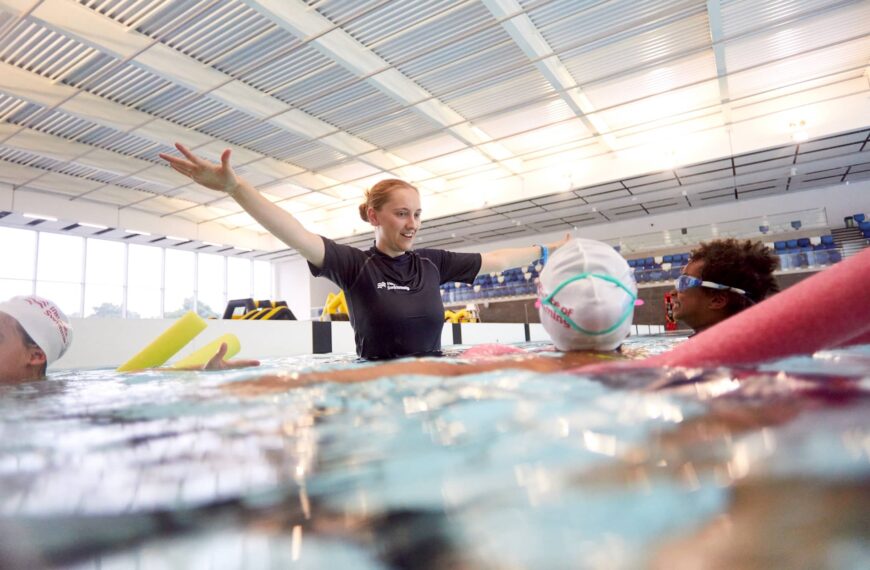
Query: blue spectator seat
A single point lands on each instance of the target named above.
(859, 218)
(828, 240)
(779, 246)
(668, 258)
(835, 256)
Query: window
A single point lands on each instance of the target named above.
(93, 277)
(144, 280)
(19, 261)
(104, 278)
(179, 283)
(59, 271)
(238, 278)
(211, 278)
(262, 280)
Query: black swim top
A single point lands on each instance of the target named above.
(395, 302)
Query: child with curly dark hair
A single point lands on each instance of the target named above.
(722, 278)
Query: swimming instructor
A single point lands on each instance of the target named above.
(392, 291)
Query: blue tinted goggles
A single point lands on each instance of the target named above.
(684, 282)
(628, 312)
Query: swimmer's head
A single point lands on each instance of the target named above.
(393, 208)
(379, 194)
(587, 295)
(38, 322)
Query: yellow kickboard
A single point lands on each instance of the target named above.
(167, 344)
(201, 356)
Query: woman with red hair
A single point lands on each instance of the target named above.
(392, 290)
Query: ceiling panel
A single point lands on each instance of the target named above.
(321, 98)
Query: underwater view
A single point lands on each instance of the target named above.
(763, 467)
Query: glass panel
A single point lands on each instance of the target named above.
(12, 287)
(104, 278)
(105, 262)
(67, 296)
(211, 279)
(178, 295)
(145, 266)
(60, 258)
(144, 275)
(263, 280)
(238, 278)
(143, 303)
(103, 300)
(19, 254)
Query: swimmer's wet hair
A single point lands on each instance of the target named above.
(747, 265)
(379, 194)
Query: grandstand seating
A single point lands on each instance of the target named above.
(805, 252)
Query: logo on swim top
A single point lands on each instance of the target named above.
(392, 286)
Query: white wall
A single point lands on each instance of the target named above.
(838, 201)
(107, 343)
(101, 343)
(25, 200)
(292, 284)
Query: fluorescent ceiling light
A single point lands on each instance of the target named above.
(212, 243)
(137, 232)
(95, 226)
(177, 238)
(40, 217)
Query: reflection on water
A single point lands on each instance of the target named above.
(720, 469)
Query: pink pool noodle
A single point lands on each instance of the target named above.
(829, 309)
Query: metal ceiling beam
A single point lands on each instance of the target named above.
(112, 38)
(305, 23)
(32, 88)
(64, 150)
(35, 89)
(524, 33)
(714, 19)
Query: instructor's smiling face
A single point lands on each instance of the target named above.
(397, 222)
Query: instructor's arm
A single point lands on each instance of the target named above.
(222, 178)
(502, 259)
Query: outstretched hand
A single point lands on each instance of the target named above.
(557, 244)
(219, 177)
(217, 361)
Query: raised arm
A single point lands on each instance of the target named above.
(222, 178)
(502, 259)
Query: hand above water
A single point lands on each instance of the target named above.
(217, 361)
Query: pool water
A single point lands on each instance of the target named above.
(721, 468)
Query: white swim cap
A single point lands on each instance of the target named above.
(46, 324)
(587, 295)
